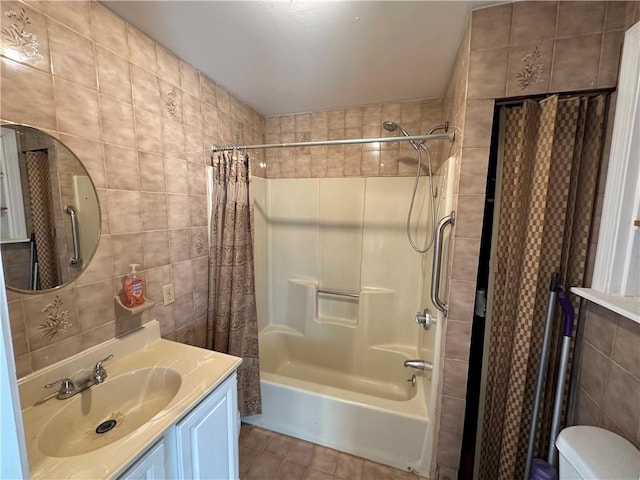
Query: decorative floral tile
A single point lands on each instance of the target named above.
(532, 70)
(17, 38)
(171, 103)
(50, 318)
(56, 319)
(199, 243)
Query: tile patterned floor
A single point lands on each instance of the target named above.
(267, 455)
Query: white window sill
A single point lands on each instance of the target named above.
(626, 306)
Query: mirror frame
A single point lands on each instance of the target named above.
(90, 257)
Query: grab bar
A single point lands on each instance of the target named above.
(437, 262)
(338, 293)
(74, 234)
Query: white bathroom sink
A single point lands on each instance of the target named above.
(151, 384)
(86, 422)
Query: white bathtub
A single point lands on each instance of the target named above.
(324, 397)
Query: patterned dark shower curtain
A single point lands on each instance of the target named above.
(232, 323)
(551, 160)
(42, 217)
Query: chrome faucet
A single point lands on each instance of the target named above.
(419, 364)
(68, 389)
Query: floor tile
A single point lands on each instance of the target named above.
(404, 475)
(300, 452)
(247, 455)
(324, 459)
(256, 439)
(278, 445)
(267, 455)
(349, 467)
(313, 474)
(290, 471)
(244, 432)
(264, 467)
(377, 471)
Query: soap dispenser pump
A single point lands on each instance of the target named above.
(133, 288)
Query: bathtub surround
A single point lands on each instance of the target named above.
(141, 121)
(232, 323)
(331, 238)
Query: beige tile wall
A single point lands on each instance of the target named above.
(109, 102)
(142, 121)
(448, 424)
(608, 373)
(367, 160)
(552, 47)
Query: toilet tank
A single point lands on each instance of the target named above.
(594, 453)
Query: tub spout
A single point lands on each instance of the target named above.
(419, 364)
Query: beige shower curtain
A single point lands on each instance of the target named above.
(551, 159)
(232, 325)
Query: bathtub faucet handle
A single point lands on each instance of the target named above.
(425, 319)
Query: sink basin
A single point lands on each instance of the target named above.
(86, 422)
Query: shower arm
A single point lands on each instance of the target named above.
(444, 126)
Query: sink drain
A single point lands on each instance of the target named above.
(105, 426)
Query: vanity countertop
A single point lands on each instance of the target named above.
(201, 371)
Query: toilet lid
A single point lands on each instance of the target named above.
(599, 454)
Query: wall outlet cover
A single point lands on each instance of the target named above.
(168, 294)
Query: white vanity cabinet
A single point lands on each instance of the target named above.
(206, 439)
(203, 444)
(151, 466)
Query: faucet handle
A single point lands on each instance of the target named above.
(99, 374)
(99, 366)
(66, 386)
(426, 319)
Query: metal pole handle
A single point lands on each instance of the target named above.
(542, 371)
(437, 262)
(74, 234)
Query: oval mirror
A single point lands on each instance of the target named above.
(49, 211)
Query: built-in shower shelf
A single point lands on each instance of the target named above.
(628, 307)
(337, 293)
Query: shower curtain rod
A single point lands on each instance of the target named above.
(414, 138)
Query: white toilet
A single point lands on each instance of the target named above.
(596, 454)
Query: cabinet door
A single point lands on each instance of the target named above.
(149, 466)
(207, 440)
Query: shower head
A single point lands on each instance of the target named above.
(390, 126)
(393, 126)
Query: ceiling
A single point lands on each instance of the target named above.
(292, 57)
